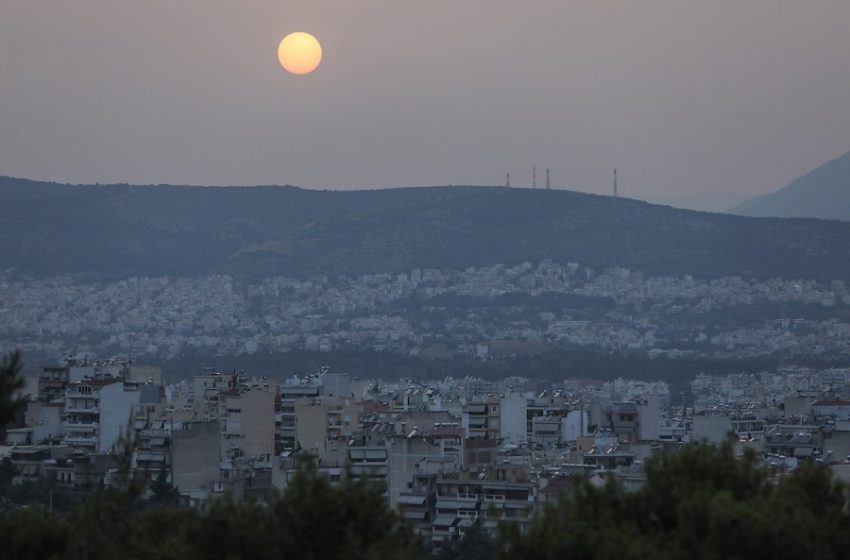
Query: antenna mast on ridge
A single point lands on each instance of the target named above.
(534, 176)
(615, 183)
(508, 180)
(548, 184)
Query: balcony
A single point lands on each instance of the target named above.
(71, 409)
(52, 383)
(150, 457)
(154, 433)
(81, 440)
(80, 425)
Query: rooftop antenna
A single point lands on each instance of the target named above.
(548, 183)
(615, 183)
(534, 176)
(508, 180)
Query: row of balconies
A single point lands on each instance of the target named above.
(154, 433)
(71, 409)
(77, 424)
(150, 457)
(81, 439)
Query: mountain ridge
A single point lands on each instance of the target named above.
(127, 230)
(823, 192)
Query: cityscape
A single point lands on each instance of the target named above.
(381, 280)
(476, 312)
(442, 452)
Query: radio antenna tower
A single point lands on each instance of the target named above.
(548, 184)
(615, 183)
(508, 180)
(534, 176)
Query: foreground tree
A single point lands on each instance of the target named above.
(701, 502)
(315, 520)
(11, 384)
(311, 520)
(475, 544)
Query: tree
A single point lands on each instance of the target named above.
(162, 492)
(7, 473)
(700, 502)
(475, 544)
(11, 383)
(43, 492)
(313, 519)
(32, 533)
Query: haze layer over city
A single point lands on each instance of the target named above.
(425, 280)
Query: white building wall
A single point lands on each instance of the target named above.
(712, 429)
(407, 456)
(840, 411)
(116, 406)
(513, 427)
(197, 458)
(337, 385)
(574, 425)
(649, 418)
(258, 423)
(78, 373)
(50, 426)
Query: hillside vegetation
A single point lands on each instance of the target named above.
(120, 230)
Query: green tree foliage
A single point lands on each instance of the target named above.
(7, 473)
(579, 361)
(699, 503)
(311, 520)
(11, 383)
(476, 544)
(32, 534)
(162, 492)
(43, 492)
(302, 233)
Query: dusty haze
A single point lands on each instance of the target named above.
(703, 100)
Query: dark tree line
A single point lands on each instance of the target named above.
(11, 383)
(699, 503)
(312, 520)
(554, 365)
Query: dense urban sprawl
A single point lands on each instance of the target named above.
(480, 312)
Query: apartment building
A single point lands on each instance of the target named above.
(97, 412)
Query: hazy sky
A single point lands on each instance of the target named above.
(686, 97)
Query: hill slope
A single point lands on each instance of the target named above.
(122, 230)
(821, 193)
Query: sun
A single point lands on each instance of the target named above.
(299, 53)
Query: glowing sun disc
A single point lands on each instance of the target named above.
(299, 53)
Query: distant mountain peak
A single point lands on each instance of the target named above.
(821, 193)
